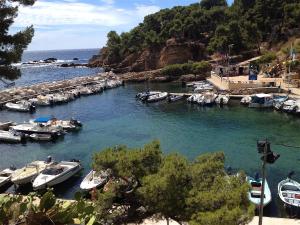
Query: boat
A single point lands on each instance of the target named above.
(222, 99)
(157, 97)
(289, 192)
(255, 192)
(5, 125)
(28, 173)
(289, 106)
(56, 174)
(246, 100)
(144, 95)
(5, 176)
(21, 106)
(11, 137)
(68, 125)
(194, 98)
(261, 101)
(207, 99)
(174, 98)
(94, 180)
(41, 137)
(203, 87)
(29, 128)
(279, 101)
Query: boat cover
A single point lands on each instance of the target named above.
(43, 119)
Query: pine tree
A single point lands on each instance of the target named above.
(12, 45)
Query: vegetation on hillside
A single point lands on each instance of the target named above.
(12, 46)
(243, 26)
(177, 70)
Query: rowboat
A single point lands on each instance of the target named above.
(94, 180)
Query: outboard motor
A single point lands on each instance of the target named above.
(221, 102)
(23, 138)
(12, 167)
(49, 159)
(256, 177)
(31, 108)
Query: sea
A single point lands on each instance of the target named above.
(115, 117)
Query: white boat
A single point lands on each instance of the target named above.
(6, 125)
(194, 98)
(94, 180)
(289, 192)
(21, 106)
(28, 173)
(29, 128)
(207, 99)
(49, 121)
(203, 87)
(5, 176)
(56, 174)
(144, 95)
(10, 137)
(289, 106)
(261, 101)
(174, 98)
(222, 99)
(41, 137)
(157, 97)
(255, 192)
(246, 100)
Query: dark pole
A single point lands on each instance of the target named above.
(262, 196)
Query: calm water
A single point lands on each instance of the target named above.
(115, 117)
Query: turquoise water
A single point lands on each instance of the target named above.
(115, 117)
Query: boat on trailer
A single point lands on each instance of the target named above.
(56, 174)
(254, 194)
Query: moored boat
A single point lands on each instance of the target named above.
(222, 99)
(11, 137)
(289, 192)
(246, 100)
(5, 176)
(41, 137)
(21, 106)
(27, 174)
(261, 101)
(157, 97)
(144, 95)
(254, 194)
(28, 128)
(174, 98)
(56, 174)
(94, 179)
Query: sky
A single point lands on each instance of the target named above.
(79, 24)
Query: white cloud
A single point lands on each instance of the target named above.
(70, 12)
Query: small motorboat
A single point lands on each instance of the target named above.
(157, 97)
(11, 137)
(289, 106)
(255, 192)
(246, 100)
(289, 192)
(94, 180)
(68, 125)
(207, 99)
(41, 137)
(27, 174)
(5, 176)
(21, 106)
(222, 99)
(29, 128)
(174, 98)
(194, 98)
(144, 95)
(56, 174)
(261, 101)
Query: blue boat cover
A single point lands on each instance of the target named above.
(43, 119)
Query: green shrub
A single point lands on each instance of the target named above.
(177, 70)
(266, 58)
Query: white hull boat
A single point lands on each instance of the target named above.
(255, 193)
(94, 180)
(174, 98)
(246, 100)
(28, 128)
(41, 137)
(289, 106)
(157, 97)
(222, 99)
(10, 137)
(261, 101)
(27, 174)
(207, 99)
(56, 174)
(289, 192)
(144, 95)
(20, 107)
(5, 177)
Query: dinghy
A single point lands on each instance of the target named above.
(20, 106)
(27, 174)
(5, 176)
(11, 137)
(56, 174)
(94, 180)
(289, 192)
(157, 97)
(255, 192)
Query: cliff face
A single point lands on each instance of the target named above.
(150, 59)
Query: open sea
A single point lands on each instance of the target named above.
(115, 117)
